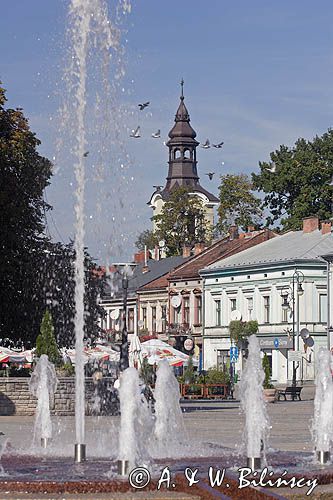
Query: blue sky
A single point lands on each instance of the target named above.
(257, 74)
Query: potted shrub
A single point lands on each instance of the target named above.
(269, 389)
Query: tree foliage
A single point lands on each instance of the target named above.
(267, 369)
(146, 238)
(24, 174)
(240, 329)
(296, 181)
(182, 221)
(238, 204)
(35, 273)
(46, 342)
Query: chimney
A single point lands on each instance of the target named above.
(186, 251)
(198, 248)
(310, 224)
(141, 256)
(326, 226)
(233, 232)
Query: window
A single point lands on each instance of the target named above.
(144, 317)
(266, 309)
(177, 154)
(322, 308)
(186, 310)
(217, 312)
(233, 304)
(198, 310)
(130, 326)
(153, 319)
(223, 360)
(164, 318)
(249, 308)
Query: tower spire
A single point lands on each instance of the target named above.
(182, 87)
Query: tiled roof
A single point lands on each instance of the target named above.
(291, 246)
(219, 250)
(156, 268)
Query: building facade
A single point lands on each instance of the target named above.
(282, 284)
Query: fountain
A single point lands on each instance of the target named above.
(43, 384)
(322, 425)
(254, 406)
(169, 425)
(134, 423)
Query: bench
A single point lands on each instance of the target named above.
(294, 392)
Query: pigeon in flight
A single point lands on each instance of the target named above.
(206, 145)
(86, 154)
(272, 169)
(136, 133)
(219, 145)
(144, 105)
(157, 134)
(210, 175)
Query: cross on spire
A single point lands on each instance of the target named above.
(182, 86)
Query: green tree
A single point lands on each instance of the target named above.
(35, 273)
(24, 174)
(146, 238)
(238, 204)
(182, 221)
(296, 181)
(267, 369)
(46, 342)
(240, 329)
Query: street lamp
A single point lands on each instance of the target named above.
(125, 271)
(124, 362)
(290, 299)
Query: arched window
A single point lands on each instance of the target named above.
(187, 154)
(176, 154)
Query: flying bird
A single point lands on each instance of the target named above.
(219, 145)
(206, 145)
(144, 105)
(210, 175)
(86, 154)
(157, 134)
(272, 169)
(136, 133)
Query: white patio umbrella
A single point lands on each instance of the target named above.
(135, 352)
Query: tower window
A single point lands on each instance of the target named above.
(187, 154)
(177, 154)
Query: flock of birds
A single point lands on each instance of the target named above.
(136, 134)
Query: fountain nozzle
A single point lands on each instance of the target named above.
(80, 453)
(323, 457)
(44, 442)
(254, 463)
(122, 467)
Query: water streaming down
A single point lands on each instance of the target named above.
(169, 424)
(252, 402)
(42, 385)
(89, 28)
(135, 421)
(322, 425)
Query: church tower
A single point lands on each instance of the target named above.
(183, 165)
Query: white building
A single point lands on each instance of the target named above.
(256, 283)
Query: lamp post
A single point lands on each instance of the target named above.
(124, 363)
(329, 261)
(290, 300)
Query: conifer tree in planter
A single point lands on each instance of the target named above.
(269, 390)
(46, 342)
